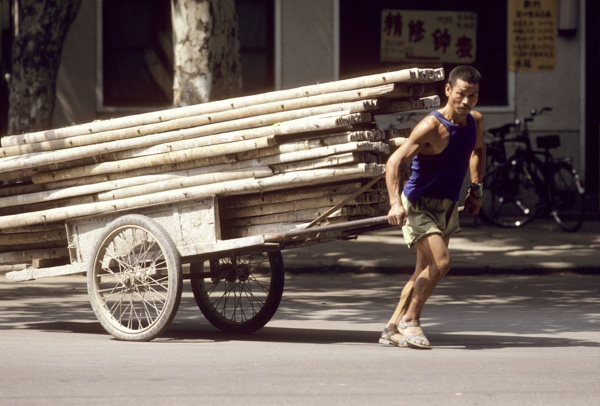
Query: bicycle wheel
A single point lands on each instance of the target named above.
(510, 196)
(241, 293)
(568, 202)
(134, 278)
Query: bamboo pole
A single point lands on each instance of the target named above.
(231, 171)
(396, 106)
(302, 104)
(406, 75)
(215, 152)
(46, 205)
(183, 182)
(398, 132)
(20, 189)
(334, 160)
(337, 137)
(284, 142)
(269, 160)
(213, 155)
(135, 163)
(153, 173)
(49, 157)
(196, 176)
(294, 179)
(284, 150)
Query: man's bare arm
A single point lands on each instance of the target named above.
(477, 162)
(416, 142)
(477, 166)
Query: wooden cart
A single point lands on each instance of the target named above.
(138, 196)
(136, 263)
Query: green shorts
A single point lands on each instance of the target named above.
(430, 216)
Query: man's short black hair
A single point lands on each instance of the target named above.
(466, 73)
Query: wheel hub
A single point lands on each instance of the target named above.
(232, 273)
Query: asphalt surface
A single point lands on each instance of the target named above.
(515, 322)
(497, 340)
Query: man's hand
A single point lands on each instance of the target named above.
(472, 204)
(397, 215)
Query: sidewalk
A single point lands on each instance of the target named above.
(540, 247)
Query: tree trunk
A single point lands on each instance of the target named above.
(40, 32)
(207, 57)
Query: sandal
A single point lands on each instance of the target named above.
(392, 337)
(414, 340)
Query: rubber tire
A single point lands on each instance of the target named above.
(510, 197)
(565, 188)
(173, 282)
(211, 308)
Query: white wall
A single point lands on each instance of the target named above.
(307, 52)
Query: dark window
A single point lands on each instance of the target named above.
(256, 32)
(137, 51)
(360, 28)
(5, 62)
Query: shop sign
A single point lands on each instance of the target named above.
(532, 30)
(428, 36)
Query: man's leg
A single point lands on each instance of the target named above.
(406, 295)
(440, 258)
(433, 262)
(436, 263)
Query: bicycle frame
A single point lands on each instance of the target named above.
(531, 180)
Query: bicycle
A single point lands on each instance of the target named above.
(530, 183)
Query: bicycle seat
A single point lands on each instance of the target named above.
(500, 131)
(548, 141)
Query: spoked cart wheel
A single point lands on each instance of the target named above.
(134, 278)
(239, 293)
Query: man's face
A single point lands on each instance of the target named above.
(462, 97)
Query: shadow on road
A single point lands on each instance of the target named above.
(473, 313)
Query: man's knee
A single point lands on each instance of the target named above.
(435, 252)
(444, 264)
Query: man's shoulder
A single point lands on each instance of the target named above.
(478, 118)
(430, 123)
(476, 115)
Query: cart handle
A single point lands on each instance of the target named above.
(333, 230)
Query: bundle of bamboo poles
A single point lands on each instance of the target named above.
(278, 160)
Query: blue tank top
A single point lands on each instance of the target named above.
(441, 176)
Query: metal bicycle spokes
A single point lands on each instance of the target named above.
(133, 278)
(510, 198)
(567, 205)
(240, 286)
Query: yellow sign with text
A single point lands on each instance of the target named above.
(532, 28)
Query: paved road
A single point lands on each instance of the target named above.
(521, 340)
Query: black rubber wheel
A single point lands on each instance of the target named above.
(568, 202)
(510, 196)
(239, 294)
(134, 278)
